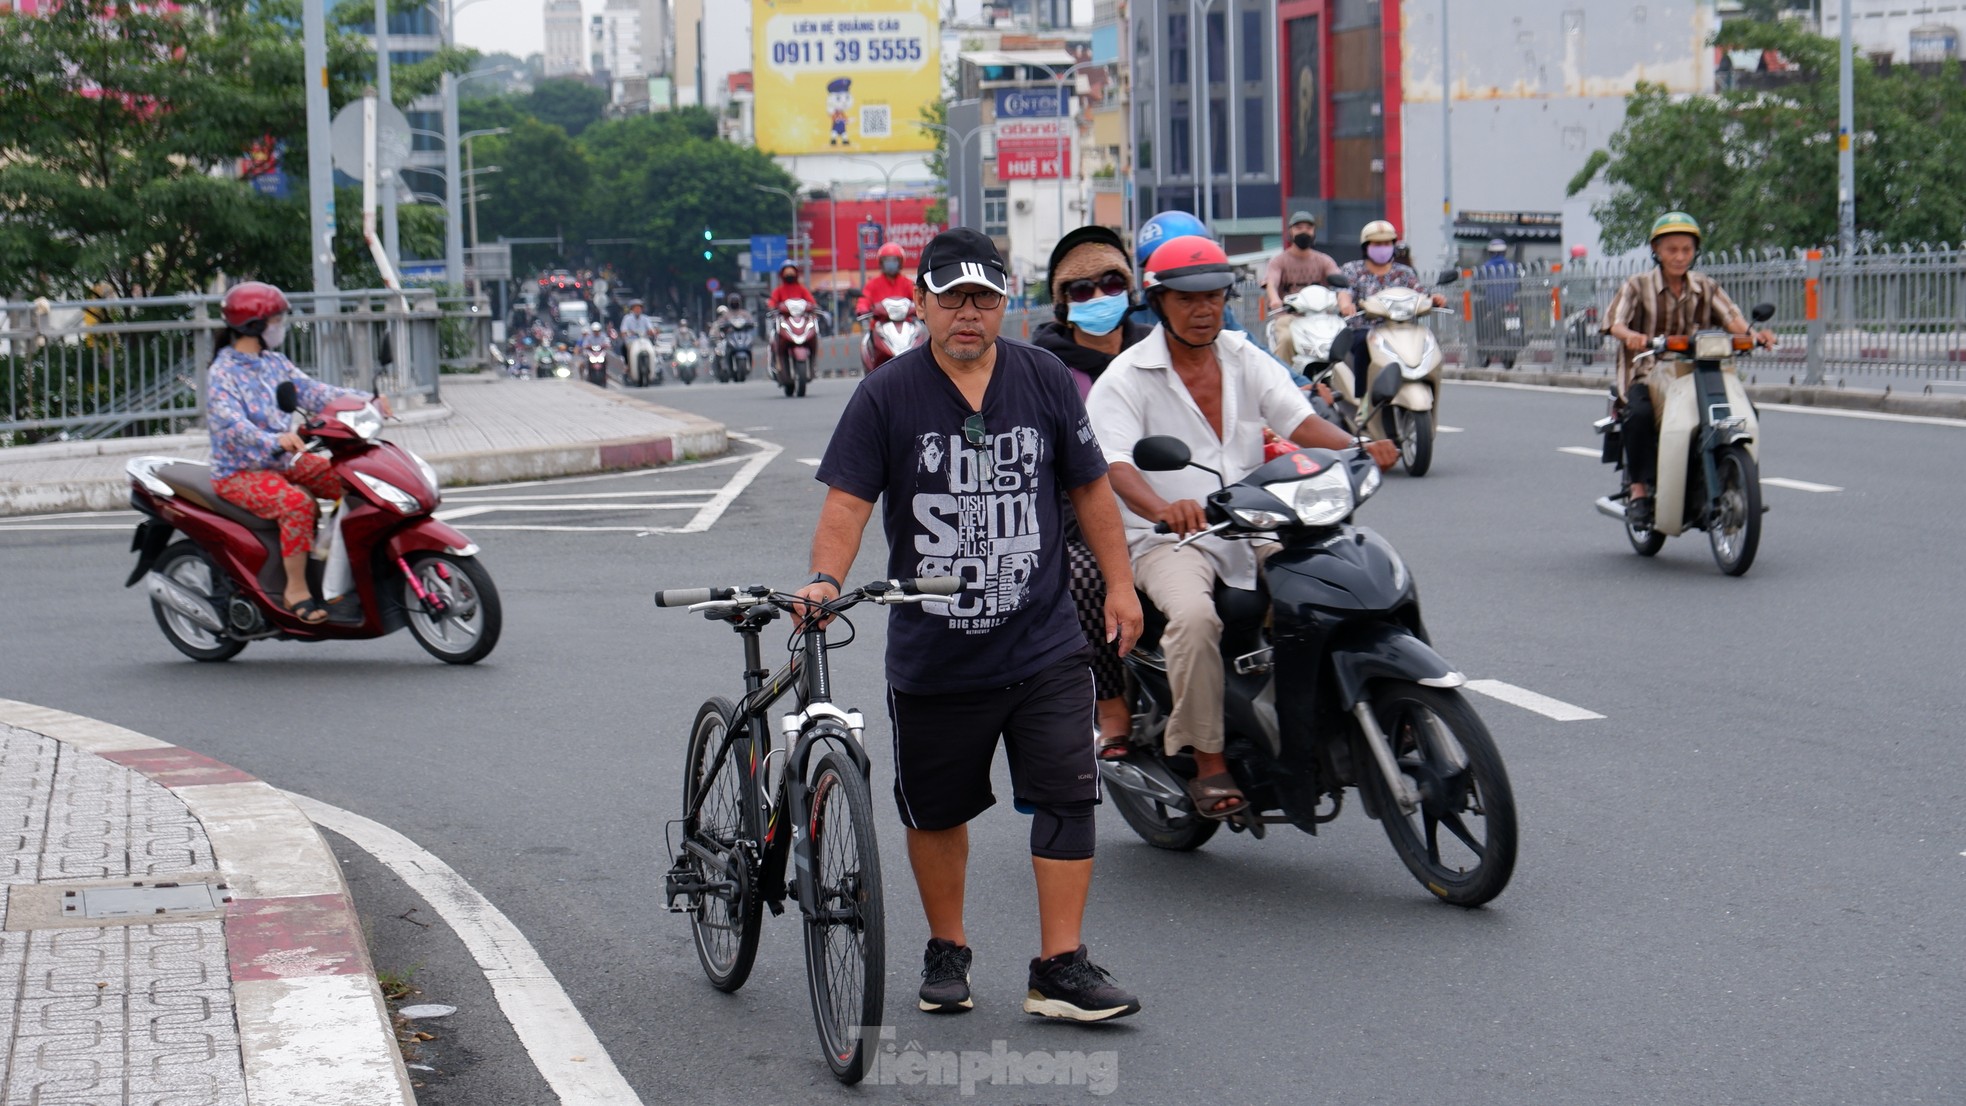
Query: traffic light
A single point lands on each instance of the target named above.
(706, 243)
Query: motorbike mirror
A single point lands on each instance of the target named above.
(375, 384)
(1160, 453)
(1337, 280)
(1762, 312)
(1448, 276)
(385, 353)
(287, 396)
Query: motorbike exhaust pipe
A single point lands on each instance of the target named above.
(1610, 508)
(173, 595)
(1148, 785)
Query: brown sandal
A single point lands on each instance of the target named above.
(1210, 793)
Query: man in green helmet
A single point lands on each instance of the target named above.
(1669, 299)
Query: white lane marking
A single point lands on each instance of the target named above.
(70, 514)
(579, 495)
(562, 1045)
(813, 461)
(681, 466)
(1580, 451)
(719, 503)
(494, 508)
(462, 512)
(1531, 701)
(1832, 412)
(1797, 485)
(4, 528)
(1451, 429)
(638, 531)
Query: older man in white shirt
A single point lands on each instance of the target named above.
(1217, 392)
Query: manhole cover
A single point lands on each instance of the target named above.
(148, 899)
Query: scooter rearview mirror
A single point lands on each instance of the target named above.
(1160, 453)
(1448, 276)
(1762, 312)
(1337, 280)
(287, 396)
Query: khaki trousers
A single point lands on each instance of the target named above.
(1181, 582)
(1281, 345)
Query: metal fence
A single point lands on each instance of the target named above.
(1875, 313)
(127, 368)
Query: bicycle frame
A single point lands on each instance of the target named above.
(818, 720)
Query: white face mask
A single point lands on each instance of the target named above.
(274, 334)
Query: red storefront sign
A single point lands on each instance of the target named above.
(830, 221)
(1034, 162)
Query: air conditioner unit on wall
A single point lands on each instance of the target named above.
(1023, 207)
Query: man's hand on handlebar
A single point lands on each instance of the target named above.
(1383, 453)
(815, 594)
(1636, 342)
(1183, 516)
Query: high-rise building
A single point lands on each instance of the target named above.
(687, 27)
(621, 51)
(566, 38)
(658, 43)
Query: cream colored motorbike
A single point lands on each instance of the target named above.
(1709, 474)
(1402, 375)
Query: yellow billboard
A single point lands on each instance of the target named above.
(839, 76)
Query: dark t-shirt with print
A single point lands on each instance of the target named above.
(988, 514)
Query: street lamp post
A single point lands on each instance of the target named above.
(1065, 119)
(960, 139)
(791, 243)
(470, 171)
(887, 183)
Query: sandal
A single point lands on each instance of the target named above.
(1115, 746)
(1217, 796)
(309, 611)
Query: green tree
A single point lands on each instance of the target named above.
(1757, 167)
(539, 189)
(937, 112)
(572, 105)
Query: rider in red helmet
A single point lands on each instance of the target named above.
(888, 283)
(1217, 391)
(258, 462)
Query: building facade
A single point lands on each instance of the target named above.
(1915, 31)
(1028, 157)
(565, 45)
(621, 55)
(1204, 109)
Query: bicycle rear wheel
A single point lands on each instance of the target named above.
(846, 941)
(724, 921)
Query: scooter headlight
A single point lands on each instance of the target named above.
(365, 421)
(1263, 520)
(389, 493)
(1323, 500)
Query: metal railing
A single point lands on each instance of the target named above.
(1876, 313)
(134, 367)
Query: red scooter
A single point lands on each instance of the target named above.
(795, 343)
(383, 557)
(892, 330)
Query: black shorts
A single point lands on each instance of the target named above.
(943, 746)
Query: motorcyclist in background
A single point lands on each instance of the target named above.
(1367, 277)
(789, 288)
(1496, 288)
(1670, 299)
(888, 283)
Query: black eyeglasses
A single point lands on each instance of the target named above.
(973, 431)
(1113, 283)
(983, 298)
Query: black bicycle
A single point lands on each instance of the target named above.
(735, 840)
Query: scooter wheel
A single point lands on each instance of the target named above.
(186, 565)
(1460, 841)
(468, 627)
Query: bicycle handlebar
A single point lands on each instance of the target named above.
(683, 597)
(881, 591)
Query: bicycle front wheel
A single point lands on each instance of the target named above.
(846, 938)
(726, 915)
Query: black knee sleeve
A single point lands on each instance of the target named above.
(1062, 831)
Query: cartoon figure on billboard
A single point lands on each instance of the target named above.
(839, 100)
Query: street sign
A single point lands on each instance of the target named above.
(767, 252)
(489, 262)
(432, 271)
(714, 285)
(392, 139)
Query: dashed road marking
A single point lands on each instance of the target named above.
(708, 503)
(1797, 485)
(813, 461)
(1451, 429)
(1532, 701)
(1580, 451)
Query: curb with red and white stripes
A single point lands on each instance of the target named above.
(313, 1027)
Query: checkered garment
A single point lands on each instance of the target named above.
(1089, 597)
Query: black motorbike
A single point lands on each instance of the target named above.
(1330, 684)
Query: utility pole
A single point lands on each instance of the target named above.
(1447, 252)
(1846, 161)
(320, 167)
(391, 238)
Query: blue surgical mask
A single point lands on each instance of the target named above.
(1098, 315)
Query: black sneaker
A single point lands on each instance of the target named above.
(1638, 512)
(1071, 986)
(945, 978)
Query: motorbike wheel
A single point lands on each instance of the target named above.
(1415, 431)
(725, 924)
(187, 566)
(803, 374)
(687, 376)
(1159, 825)
(1469, 864)
(1734, 530)
(1646, 543)
(469, 626)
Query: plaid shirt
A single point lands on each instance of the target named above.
(1644, 305)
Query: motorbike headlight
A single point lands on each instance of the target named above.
(389, 493)
(423, 469)
(1324, 499)
(1399, 312)
(1262, 520)
(365, 421)
(1713, 345)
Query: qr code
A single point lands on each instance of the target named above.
(874, 121)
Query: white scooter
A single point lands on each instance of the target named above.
(1709, 474)
(641, 361)
(1402, 375)
(1314, 324)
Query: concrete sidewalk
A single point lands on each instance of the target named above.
(175, 931)
(487, 430)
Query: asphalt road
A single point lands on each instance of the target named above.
(1743, 884)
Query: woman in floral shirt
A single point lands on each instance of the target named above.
(1373, 274)
(258, 462)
